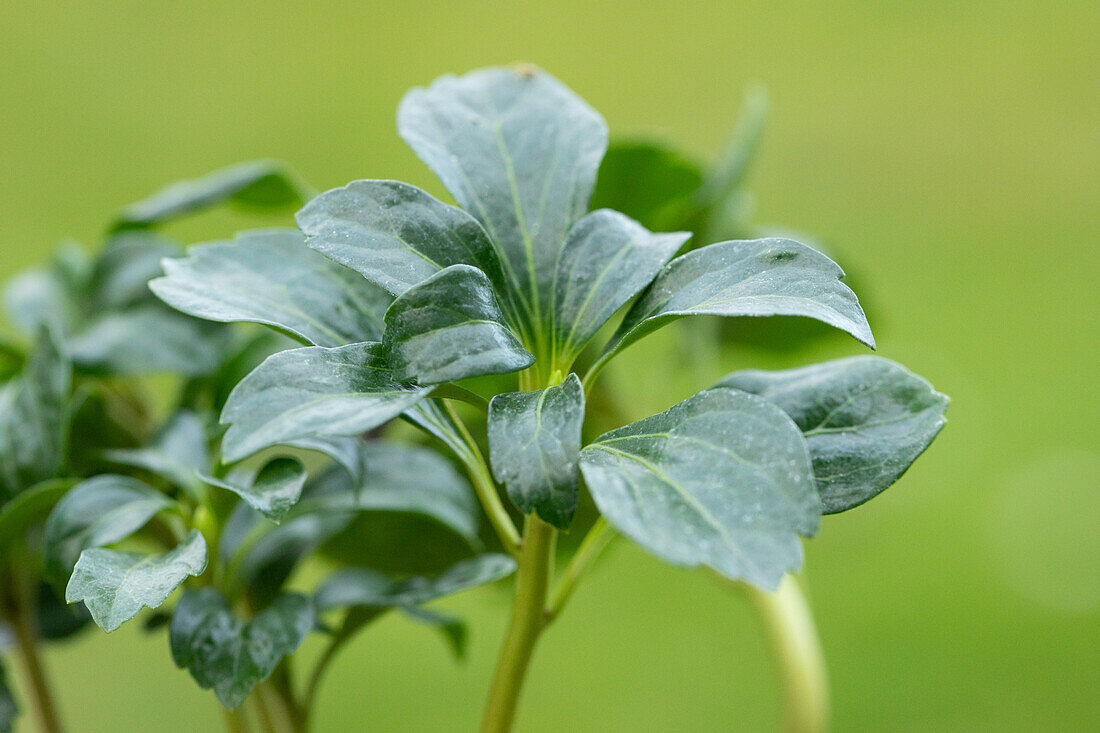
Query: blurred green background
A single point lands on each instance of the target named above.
(947, 153)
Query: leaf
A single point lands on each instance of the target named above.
(647, 182)
(230, 655)
(260, 183)
(9, 710)
(519, 151)
(449, 327)
(396, 235)
(607, 260)
(177, 453)
(49, 296)
(149, 338)
(98, 511)
(34, 419)
(760, 277)
(453, 628)
(122, 271)
(271, 277)
(28, 507)
(275, 489)
(115, 585)
(865, 420)
(534, 439)
(363, 587)
(722, 479)
(312, 391)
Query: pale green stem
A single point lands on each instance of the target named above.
(485, 488)
(790, 628)
(528, 620)
(595, 541)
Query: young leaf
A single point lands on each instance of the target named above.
(34, 419)
(9, 710)
(534, 440)
(116, 585)
(666, 197)
(271, 277)
(230, 655)
(177, 453)
(363, 587)
(98, 511)
(149, 338)
(865, 420)
(722, 479)
(606, 261)
(449, 327)
(312, 391)
(761, 277)
(519, 151)
(274, 490)
(396, 235)
(260, 183)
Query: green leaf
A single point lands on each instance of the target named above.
(122, 271)
(275, 489)
(149, 338)
(364, 587)
(865, 420)
(34, 419)
(647, 182)
(271, 277)
(98, 511)
(449, 327)
(177, 453)
(519, 151)
(534, 439)
(50, 296)
(230, 655)
(312, 391)
(28, 507)
(722, 479)
(760, 277)
(260, 183)
(607, 260)
(453, 628)
(9, 710)
(115, 585)
(396, 235)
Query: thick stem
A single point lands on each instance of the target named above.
(528, 620)
(21, 615)
(790, 627)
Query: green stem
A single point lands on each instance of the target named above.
(484, 486)
(593, 544)
(235, 721)
(528, 621)
(21, 616)
(790, 627)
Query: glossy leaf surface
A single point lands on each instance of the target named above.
(273, 491)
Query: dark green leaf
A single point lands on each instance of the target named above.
(865, 420)
(177, 453)
(761, 277)
(607, 260)
(396, 235)
(28, 507)
(534, 439)
(98, 511)
(722, 479)
(230, 655)
(453, 628)
(449, 327)
(363, 587)
(274, 490)
(115, 585)
(271, 277)
(313, 391)
(149, 338)
(519, 151)
(57, 620)
(9, 710)
(647, 182)
(34, 419)
(260, 183)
